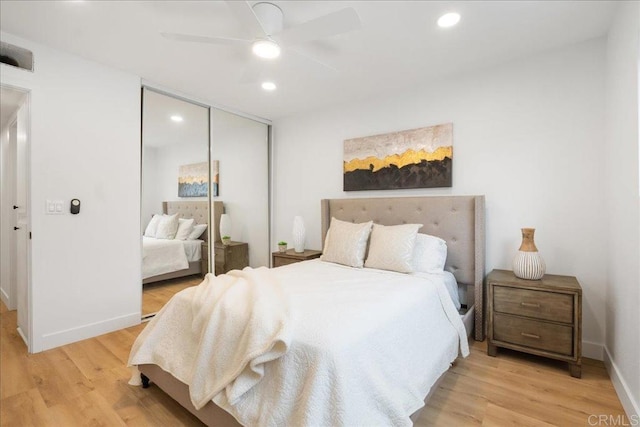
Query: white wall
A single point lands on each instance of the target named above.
(85, 143)
(160, 173)
(528, 135)
(622, 189)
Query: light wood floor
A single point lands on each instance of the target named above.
(156, 295)
(85, 383)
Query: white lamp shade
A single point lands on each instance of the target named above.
(225, 225)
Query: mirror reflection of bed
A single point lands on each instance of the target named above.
(171, 265)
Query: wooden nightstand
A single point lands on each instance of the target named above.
(204, 261)
(290, 257)
(542, 317)
(234, 256)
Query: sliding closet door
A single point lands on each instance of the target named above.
(175, 179)
(240, 146)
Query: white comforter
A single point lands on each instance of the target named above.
(360, 347)
(160, 256)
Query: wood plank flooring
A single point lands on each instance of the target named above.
(85, 383)
(156, 295)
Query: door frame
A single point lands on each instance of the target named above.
(26, 105)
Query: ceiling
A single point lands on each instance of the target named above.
(398, 47)
(160, 131)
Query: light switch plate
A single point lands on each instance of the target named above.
(54, 207)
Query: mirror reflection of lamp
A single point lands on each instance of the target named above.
(225, 228)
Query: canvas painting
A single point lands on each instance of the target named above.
(417, 158)
(215, 177)
(193, 180)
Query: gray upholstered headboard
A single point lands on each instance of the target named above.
(459, 220)
(199, 211)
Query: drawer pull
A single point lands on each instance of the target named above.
(525, 334)
(530, 304)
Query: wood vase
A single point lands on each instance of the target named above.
(528, 264)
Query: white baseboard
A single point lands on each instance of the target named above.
(6, 300)
(56, 339)
(631, 407)
(23, 336)
(592, 350)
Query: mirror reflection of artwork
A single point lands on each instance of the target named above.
(417, 158)
(193, 180)
(215, 177)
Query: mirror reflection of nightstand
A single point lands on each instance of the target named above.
(204, 259)
(234, 256)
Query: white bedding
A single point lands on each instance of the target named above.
(160, 256)
(366, 346)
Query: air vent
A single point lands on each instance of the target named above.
(16, 56)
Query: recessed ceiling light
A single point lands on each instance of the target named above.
(269, 86)
(449, 20)
(266, 49)
(177, 118)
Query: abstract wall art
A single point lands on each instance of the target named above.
(193, 180)
(416, 158)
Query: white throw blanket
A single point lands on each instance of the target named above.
(237, 323)
(160, 256)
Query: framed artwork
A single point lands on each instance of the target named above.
(215, 177)
(193, 180)
(416, 158)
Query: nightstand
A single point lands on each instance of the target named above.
(289, 257)
(234, 256)
(542, 317)
(204, 261)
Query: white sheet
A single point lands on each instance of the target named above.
(193, 249)
(367, 347)
(160, 256)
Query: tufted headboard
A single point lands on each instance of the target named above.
(459, 220)
(199, 211)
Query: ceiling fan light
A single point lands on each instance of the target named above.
(266, 49)
(448, 20)
(269, 86)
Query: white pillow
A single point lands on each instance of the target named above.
(167, 227)
(391, 247)
(152, 227)
(185, 227)
(197, 231)
(346, 243)
(429, 254)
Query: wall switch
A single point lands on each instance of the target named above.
(54, 207)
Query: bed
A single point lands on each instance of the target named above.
(377, 314)
(169, 259)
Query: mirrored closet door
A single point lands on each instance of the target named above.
(240, 163)
(175, 205)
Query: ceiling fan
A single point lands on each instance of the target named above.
(267, 37)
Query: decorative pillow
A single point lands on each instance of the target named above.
(346, 243)
(152, 227)
(429, 254)
(167, 227)
(197, 231)
(185, 227)
(391, 247)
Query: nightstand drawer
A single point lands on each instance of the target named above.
(537, 304)
(220, 255)
(533, 333)
(279, 261)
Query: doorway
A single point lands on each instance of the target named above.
(14, 206)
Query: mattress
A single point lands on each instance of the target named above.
(366, 348)
(161, 256)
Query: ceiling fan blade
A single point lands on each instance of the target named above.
(247, 17)
(339, 22)
(204, 39)
(313, 60)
